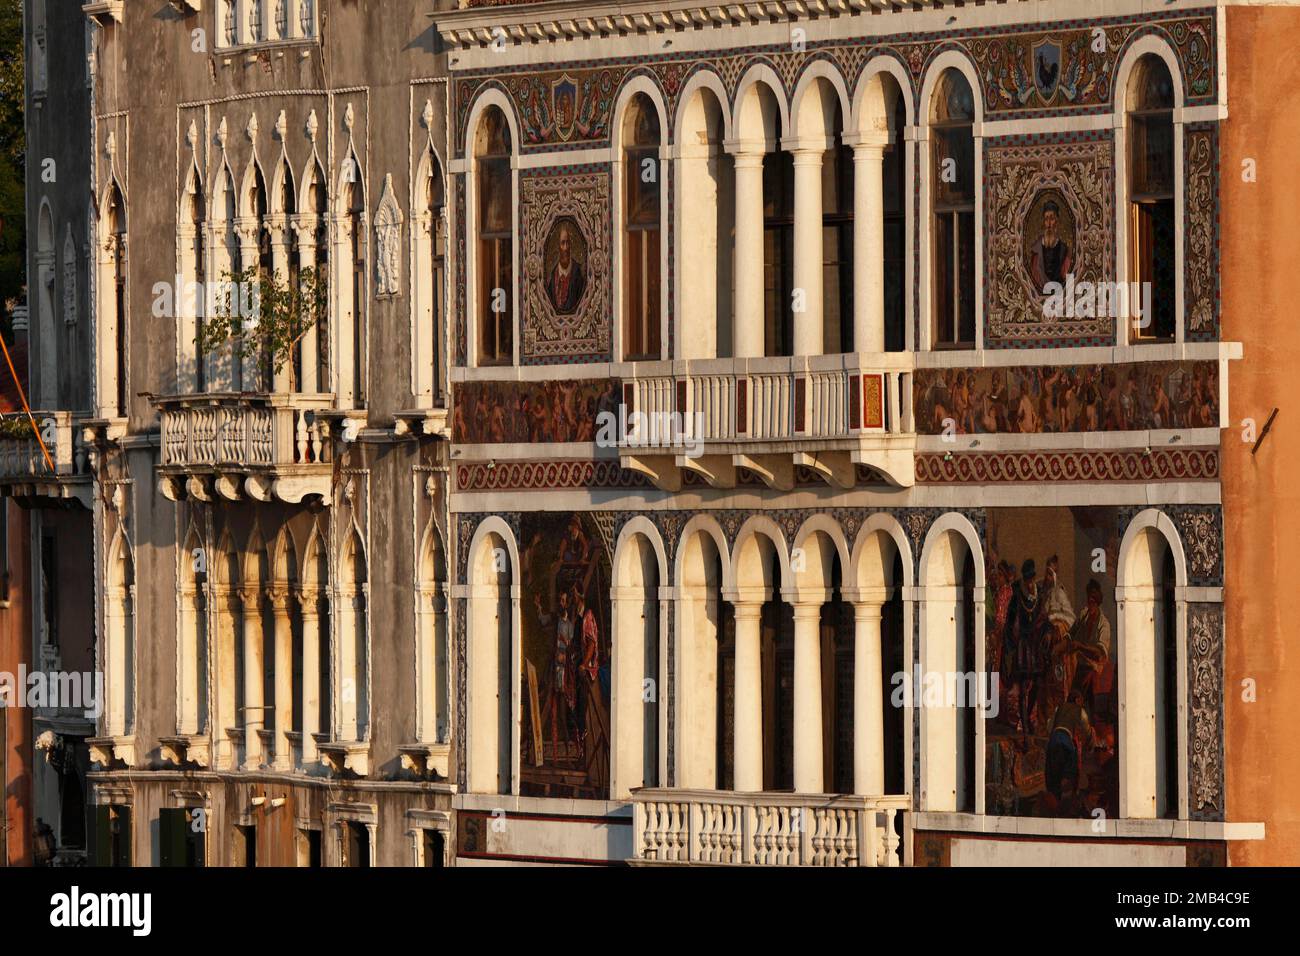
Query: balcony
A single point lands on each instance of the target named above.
(844, 418)
(766, 829)
(24, 470)
(265, 447)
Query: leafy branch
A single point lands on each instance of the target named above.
(255, 314)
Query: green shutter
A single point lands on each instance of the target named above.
(173, 824)
(123, 842)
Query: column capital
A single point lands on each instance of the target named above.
(278, 597)
(746, 152)
(867, 143)
(867, 612)
(251, 596)
(805, 608)
(747, 611)
(868, 597)
(808, 149)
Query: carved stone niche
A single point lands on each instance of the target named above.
(342, 757)
(186, 749)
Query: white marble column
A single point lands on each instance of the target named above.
(225, 676)
(808, 264)
(868, 247)
(116, 613)
(309, 602)
(868, 711)
(187, 721)
(1139, 723)
(808, 772)
(347, 690)
(283, 713)
(254, 714)
(747, 326)
(748, 722)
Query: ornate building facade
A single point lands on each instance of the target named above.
(768, 433)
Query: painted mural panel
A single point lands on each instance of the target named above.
(565, 650)
(1050, 637)
(1067, 398)
(550, 411)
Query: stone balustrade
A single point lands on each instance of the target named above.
(766, 829)
(262, 445)
(847, 417)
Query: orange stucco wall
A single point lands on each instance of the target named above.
(15, 650)
(1261, 494)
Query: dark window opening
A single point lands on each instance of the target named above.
(778, 253)
(953, 213)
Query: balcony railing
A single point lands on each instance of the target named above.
(21, 456)
(767, 829)
(829, 413)
(276, 443)
(24, 469)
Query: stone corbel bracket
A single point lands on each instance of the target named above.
(414, 423)
(104, 12)
(105, 751)
(430, 761)
(186, 749)
(346, 756)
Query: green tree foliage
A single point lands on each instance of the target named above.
(13, 218)
(269, 322)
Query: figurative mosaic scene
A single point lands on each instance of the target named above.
(1050, 639)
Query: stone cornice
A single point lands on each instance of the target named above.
(558, 20)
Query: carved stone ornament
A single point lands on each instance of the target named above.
(388, 241)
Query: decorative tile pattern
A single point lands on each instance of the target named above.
(576, 205)
(1201, 233)
(527, 475)
(1202, 533)
(1205, 697)
(1200, 530)
(1075, 74)
(1022, 174)
(1186, 464)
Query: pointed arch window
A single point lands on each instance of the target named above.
(357, 265)
(432, 279)
(311, 239)
(112, 292)
(193, 270)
